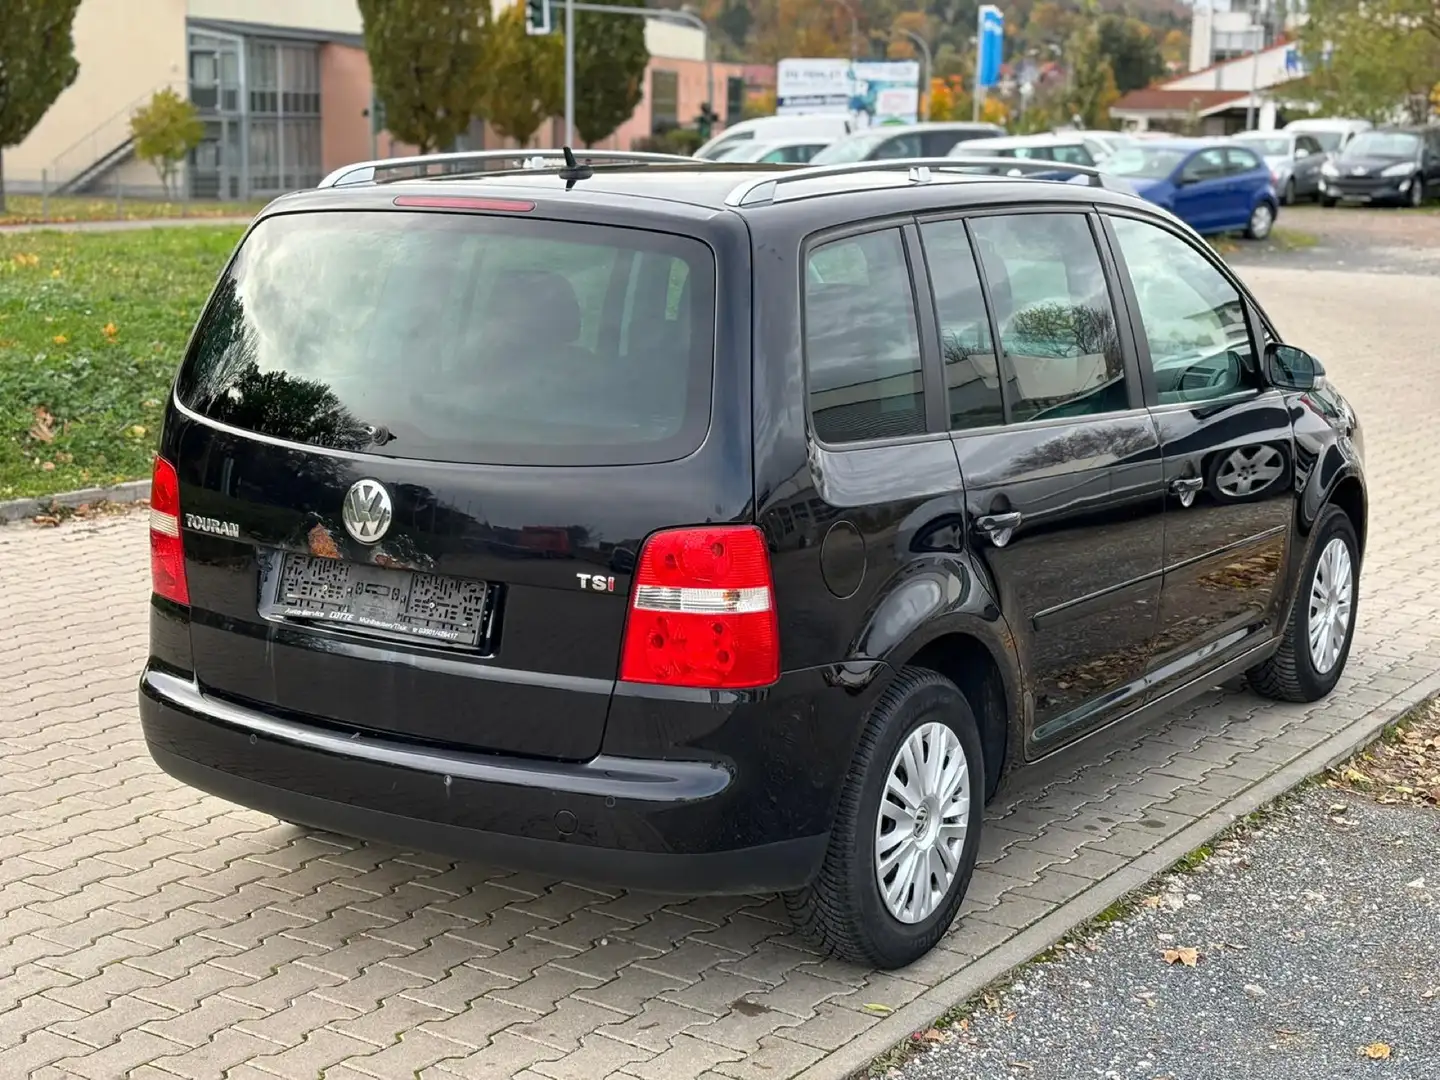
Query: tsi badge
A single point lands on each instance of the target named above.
(596, 582)
(366, 511)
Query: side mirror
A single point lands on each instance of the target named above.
(1289, 368)
(1301, 152)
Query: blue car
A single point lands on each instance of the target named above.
(1212, 186)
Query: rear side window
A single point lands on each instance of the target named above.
(862, 350)
(461, 338)
(1052, 308)
(1241, 161)
(972, 377)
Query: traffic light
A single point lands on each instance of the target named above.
(706, 121)
(537, 17)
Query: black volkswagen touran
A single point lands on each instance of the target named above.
(703, 528)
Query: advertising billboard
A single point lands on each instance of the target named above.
(871, 92)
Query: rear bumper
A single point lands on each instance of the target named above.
(663, 825)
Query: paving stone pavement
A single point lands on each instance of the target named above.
(152, 932)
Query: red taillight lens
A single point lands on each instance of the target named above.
(703, 611)
(167, 551)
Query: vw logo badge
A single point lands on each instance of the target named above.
(366, 511)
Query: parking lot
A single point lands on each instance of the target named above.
(149, 931)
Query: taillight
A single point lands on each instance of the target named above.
(702, 613)
(167, 551)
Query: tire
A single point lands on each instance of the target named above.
(1327, 202)
(1292, 673)
(1417, 194)
(1262, 220)
(1288, 198)
(843, 912)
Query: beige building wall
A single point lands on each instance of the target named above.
(127, 49)
(332, 16)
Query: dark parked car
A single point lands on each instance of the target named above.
(700, 528)
(1213, 186)
(892, 141)
(1391, 165)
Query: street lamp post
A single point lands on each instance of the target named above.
(925, 71)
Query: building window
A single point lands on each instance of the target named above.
(664, 101)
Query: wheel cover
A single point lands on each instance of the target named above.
(1331, 604)
(923, 820)
(1249, 470)
(1260, 219)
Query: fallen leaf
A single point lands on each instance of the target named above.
(110, 330)
(60, 339)
(1151, 901)
(1339, 808)
(1434, 991)
(873, 1007)
(931, 1035)
(1377, 1051)
(1184, 955)
(1355, 776)
(1418, 883)
(43, 430)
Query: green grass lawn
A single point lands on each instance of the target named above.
(92, 327)
(27, 209)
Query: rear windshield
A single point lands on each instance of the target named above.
(459, 337)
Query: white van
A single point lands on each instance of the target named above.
(825, 128)
(1331, 132)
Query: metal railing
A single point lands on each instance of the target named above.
(428, 166)
(102, 140)
(920, 170)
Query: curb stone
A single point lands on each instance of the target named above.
(854, 1059)
(23, 509)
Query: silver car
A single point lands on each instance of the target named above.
(1294, 158)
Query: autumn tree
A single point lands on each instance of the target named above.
(37, 62)
(1175, 48)
(610, 63)
(523, 84)
(1092, 82)
(425, 60)
(165, 130)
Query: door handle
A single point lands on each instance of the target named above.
(1186, 487)
(999, 527)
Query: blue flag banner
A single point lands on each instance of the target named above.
(991, 45)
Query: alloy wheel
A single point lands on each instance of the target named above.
(924, 816)
(1261, 218)
(1249, 470)
(1332, 593)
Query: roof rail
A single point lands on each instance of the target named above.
(763, 189)
(426, 165)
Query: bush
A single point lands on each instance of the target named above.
(683, 141)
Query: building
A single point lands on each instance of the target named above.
(284, 90)
(1217, 100)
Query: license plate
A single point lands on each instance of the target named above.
(375, 598)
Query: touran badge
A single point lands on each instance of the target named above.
(366, 511)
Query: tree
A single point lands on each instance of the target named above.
(1092, 80)
(1369, 60)
(425, 61)
(37, 62)
(610, 63)
(1130, 47)
(1175, 48)
(165, 131)
(523, 84)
